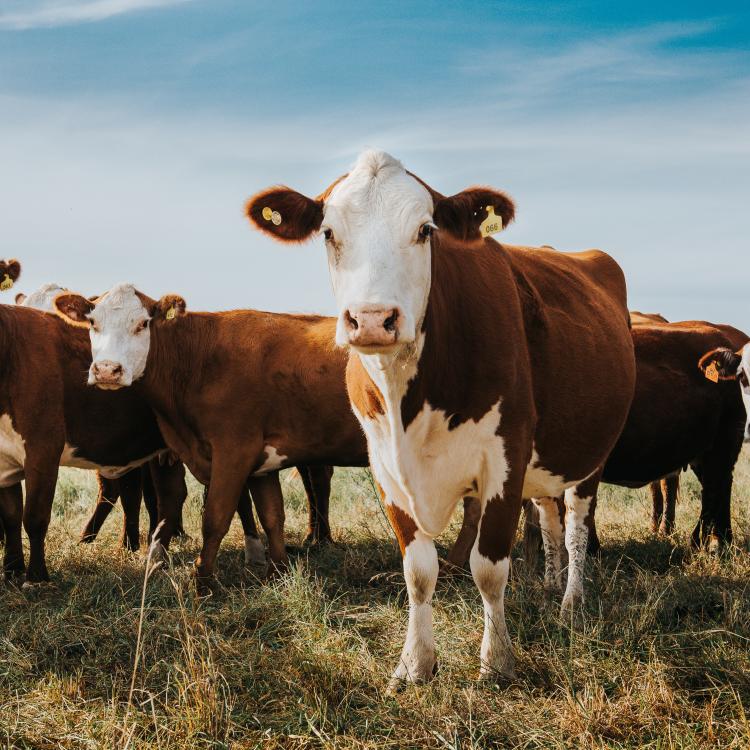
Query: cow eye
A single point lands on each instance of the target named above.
(742, 377)
(328, 234)
(94, 326)
(426, 230)
(142, 326)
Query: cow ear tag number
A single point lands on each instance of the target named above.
(712, 373)
(171, 313)
(492, 224)
(270, 215)
(6, 283)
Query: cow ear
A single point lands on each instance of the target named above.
(720, 364)
(285, 214)
(73, 308)
(464, 214)
(20, 298)
(10, 270)
(169, 307)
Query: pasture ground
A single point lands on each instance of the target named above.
(660, 659)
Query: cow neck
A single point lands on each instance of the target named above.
(173, 366)
(74, 341)
(460, 370)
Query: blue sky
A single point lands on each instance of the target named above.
(131, 132)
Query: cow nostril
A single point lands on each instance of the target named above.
(350, 321)
(117, 370)
(390, 322)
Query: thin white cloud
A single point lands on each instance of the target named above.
(30, 15)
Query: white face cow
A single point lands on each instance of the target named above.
(377, 226)
(377, 221)
(42, 298)
(732, 366)
(118, 323)
(743, 375)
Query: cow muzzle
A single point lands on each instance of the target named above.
(107, 374)
(368, 327)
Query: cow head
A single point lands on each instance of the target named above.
(724, 364)
(42, 298)
(119, 324)
(380, 225)
(10, 270)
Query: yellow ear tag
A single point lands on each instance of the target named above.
(171, 313)
(275, 218)
(267, 213)
(712, 373)
(492, 224)
(6, 283)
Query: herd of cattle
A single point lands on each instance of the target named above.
(457, 369)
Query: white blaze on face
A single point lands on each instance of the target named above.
(743, 375)
(376, 257)
(120, 334)
(41, 299)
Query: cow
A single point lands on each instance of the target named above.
(49, 417)
(664, 492)
(678, 418)
(476, 369)
(237, 394)
(731, 365)
(131, 486)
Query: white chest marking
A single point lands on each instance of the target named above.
(274, 461)
(12, 453)
(436, 466)
(69, 458)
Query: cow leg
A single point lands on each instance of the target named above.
(670, 487)
(578, 504)
(459, 554)
(130, 497)
(657, 506)
(490, 568)
(592, 545)
(553, 535)
(255, 552)
(715, 471)
(269, 502)
(150, 499)
(109, 492)
(228, 473)
(40, 492)
(171, 491)
(317, 481)
(11, 514)
(418, 661)
(532, 535)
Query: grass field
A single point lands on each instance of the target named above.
(660, 659)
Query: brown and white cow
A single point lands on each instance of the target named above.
(237, 394)
(678, 418)
(732, 366)
(49, 417)
(131, 486)
(476, 369)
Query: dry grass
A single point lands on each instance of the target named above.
(661, 658)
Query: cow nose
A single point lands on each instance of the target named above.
(106, 371)
(369, 326)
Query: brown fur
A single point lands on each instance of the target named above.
(300, 216)
(43, 389)
(226, 385)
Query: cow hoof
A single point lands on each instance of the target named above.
(255, 552)
(417, 676)
(157, 556)
(571, 604)
(312, 540)
(500, 676)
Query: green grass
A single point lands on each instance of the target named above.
(660, 659)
